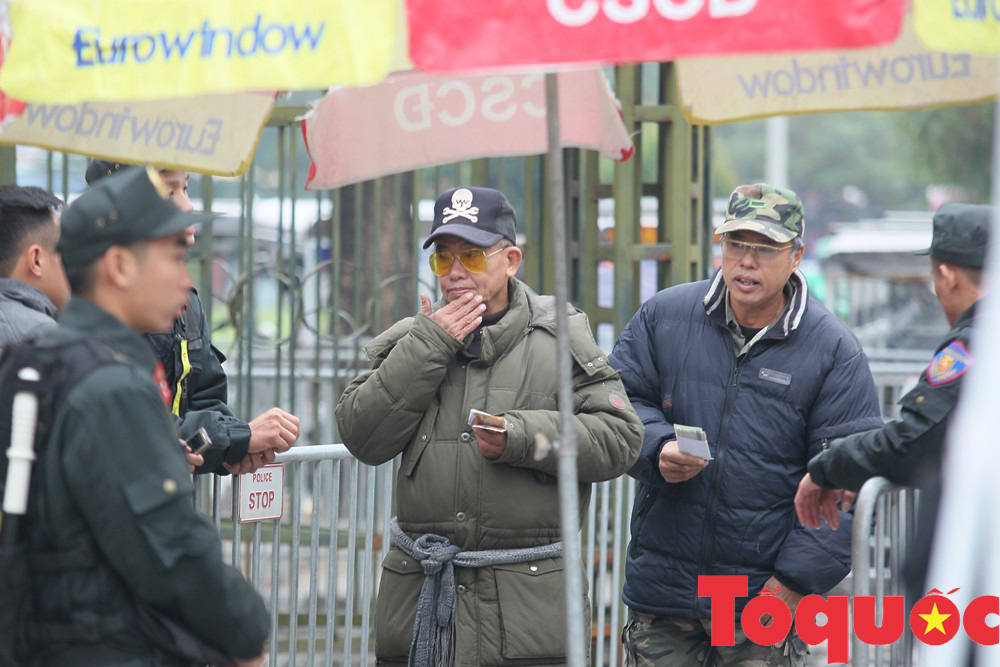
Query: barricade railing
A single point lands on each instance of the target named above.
(318, 566)
(885, 520)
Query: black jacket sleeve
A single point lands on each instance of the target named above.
(899, 450)
(208, 406)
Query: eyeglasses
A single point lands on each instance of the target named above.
(473, 259)
(761, 252)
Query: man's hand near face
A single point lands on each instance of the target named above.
(460, 317)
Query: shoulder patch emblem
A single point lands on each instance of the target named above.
(160, 378)
(949, 364)
(617, 402)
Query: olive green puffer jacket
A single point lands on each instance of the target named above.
(416, 400)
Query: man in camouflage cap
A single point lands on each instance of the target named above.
(767, 375)
(774, 212)
(909, 451)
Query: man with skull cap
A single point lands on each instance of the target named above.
(475, 575)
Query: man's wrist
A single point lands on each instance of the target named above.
(785, 587)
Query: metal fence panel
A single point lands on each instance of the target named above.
(884, 527)
(319, 565)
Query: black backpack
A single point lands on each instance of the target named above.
(59, 369)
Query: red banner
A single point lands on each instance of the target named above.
(416, 120)
(446, 35)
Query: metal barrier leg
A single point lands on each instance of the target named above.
(352, 543)
(600, 597)
(314, 562)
(333, 483)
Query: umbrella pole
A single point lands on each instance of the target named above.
(569, 493)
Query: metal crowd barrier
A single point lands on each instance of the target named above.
(885, 521)
(318, 566)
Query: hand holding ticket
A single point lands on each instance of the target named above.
(487, 422)
(691, 440)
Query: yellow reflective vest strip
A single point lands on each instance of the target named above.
(186, 368)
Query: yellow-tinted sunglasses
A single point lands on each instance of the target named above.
(473, 259)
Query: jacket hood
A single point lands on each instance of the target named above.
(26, 295)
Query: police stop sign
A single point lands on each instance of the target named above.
(262, 494)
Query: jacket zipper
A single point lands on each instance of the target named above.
(720, 455)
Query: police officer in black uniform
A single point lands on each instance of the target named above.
(118, 551)
(194, 372)
(909, 451)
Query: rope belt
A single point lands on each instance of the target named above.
(434, 627)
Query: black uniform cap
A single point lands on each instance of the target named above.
(961, 234)
(124, 208)
(98, 169)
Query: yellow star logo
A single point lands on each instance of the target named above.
(935, 620)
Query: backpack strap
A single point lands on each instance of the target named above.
(61, 367)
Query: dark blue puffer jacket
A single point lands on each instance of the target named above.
(765, 414)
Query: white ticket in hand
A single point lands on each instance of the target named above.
(691, 440)
(487, 422)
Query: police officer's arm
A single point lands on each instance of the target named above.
(129, 479)
(635, 359)
(814, 561)
(379, 412)
(230, 438)
(897, 450)
(208, 405)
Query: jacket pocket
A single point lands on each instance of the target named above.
(643, 504)
(532, 610)
(934, 403)
(171, 531)
(422, 438)
(396, 606)
(753, 548)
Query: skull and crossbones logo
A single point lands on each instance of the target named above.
(461, 207)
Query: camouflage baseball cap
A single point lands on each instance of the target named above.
(774, 212)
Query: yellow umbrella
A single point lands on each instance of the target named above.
(68, 51)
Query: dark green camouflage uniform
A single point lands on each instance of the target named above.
(659, 641)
